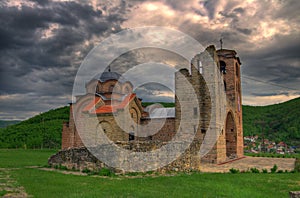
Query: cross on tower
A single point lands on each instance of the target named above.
(221, 42)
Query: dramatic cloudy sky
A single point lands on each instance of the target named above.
(43, 42)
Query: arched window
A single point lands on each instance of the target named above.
(223, 67)
(111, 88)
(237, 70)
(200, 67)
(131, 136)
(127, 90)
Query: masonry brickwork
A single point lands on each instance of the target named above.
(118, 110)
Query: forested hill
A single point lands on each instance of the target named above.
(281, 122)
(41, 131)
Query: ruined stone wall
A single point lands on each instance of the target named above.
(166, 133)
(81, 158)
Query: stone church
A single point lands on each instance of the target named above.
(110, 94)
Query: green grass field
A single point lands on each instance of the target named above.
(40, 183)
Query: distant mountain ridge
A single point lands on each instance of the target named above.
(280, 122)
(5, 123)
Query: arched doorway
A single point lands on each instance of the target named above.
(107, 130)
(231, 137)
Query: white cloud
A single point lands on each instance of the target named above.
(267, 100)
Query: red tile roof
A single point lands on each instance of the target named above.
(92, 104)
(108, 108)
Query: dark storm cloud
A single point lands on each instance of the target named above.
(244, 30)
(23, 49)
(41, 47)
(278, 64)
(290, 11)
(145, 55)
(43, 42)
(13, 107)
(21, 31)
(210, 7)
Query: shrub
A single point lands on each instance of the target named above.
(280, 171)
(254, 170)
(264, 170)
(149, 172)
(274, 169)
(86, 170)
(297, 165)
(3, 192)
(105, 172)
(233, 170)
(61, 167)
(47, 166)
(132, 173)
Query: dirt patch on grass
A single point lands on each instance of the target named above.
(246, 163)
(9, 187)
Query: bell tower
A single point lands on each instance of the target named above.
(229, 65)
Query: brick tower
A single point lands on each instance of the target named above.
(230, 67)
(229, 143)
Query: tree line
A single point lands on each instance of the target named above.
(279, 122)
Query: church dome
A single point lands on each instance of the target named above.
(105, 76)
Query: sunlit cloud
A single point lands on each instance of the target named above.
(265, 100)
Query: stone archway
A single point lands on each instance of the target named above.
(231, 136)
(108, 130)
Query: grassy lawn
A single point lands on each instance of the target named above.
(15, 158)
(41, 183)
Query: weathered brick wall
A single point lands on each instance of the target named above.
(166, 133)
(232, 79)
(70, 137)
(66, 136)
(81, 158)
(229, 142)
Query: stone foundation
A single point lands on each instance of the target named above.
(81, 158)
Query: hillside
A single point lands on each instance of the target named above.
(282, 123)
(41, 131)
(279, 122)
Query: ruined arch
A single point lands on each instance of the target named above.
(117, 88)
(134, 115)
(131, 133)
(127, 88)
(231, 136)
(107, 129)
